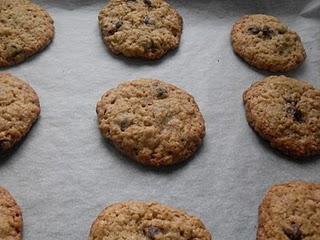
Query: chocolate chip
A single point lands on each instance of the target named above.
(291, 110)
(151, 231)
(146, 20)
(161, 92)
(295, 113)
(124, 124)
(298, 115)
(267, 32)
(293, 233)
(254, 30)
(113, 100)
(149, 21)
(119, 24)
(110, 30)
(147, 2)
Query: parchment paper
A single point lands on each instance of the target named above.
(65, 173)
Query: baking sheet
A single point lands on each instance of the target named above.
(65, 173)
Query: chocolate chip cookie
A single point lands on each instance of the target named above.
(140, 28)
(146, 221)
(19, 109)
(151, 121)
(25, 29)
(265, 42)
(10, 217)
(286, 112)
(290, 211)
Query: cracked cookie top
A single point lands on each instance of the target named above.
(151, 121)
(140, 28)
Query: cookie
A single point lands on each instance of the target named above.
(151, 121)
(286, 112)
(140, 28)
(19, 109)
(146, 221)
(25, 29)
(290, 211)
(10, 217)
(266, 43)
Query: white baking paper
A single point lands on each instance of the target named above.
(65, 173)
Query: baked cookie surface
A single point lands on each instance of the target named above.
(266, 43)
(290, 211)
(10, 217)
(140, 28)
(151, 121)
(146, 221)
(19, 109)
(286, 112)
(25, 29)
